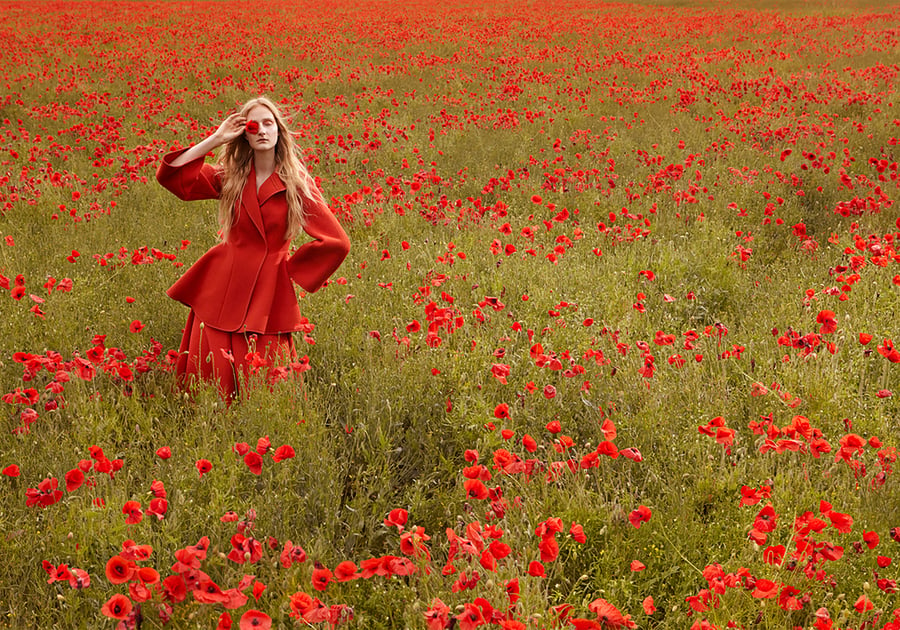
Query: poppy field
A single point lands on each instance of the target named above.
(614, 346)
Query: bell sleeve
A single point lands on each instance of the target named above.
(191, 181)
(312, 264)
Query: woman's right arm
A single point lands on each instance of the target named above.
(231, 128)
(185, 174)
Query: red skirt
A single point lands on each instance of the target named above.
(229, 359)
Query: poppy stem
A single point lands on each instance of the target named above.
(862, 378)
(678, 551)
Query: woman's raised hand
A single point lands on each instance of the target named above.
(228, 130)
(231, 128)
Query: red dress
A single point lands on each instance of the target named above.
(240, 291)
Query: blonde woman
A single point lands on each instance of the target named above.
(240, 291)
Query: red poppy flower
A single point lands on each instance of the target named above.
(255, 620)
(437, 616)
(576, 531)
(787, 599)
(842, 522)
(608, 448)
(499, 549)
(45, 495)
(74, 479)
(470, 618)
(252, 128)
(766, 519)
(871, 539)
(198, 551)
(640, 516)
(203, 466)
(11, 471)
(164, 452)
(648, 606)
(208, 592)
(475, 489)
(136, 326)
(765, 589)
(608, 615)
(158, 507)
(396, 518)
(549, 549)
(321, 575)
(828, 321)
(536, 569)
(253, 460)
(346, 571)
(529, 443)
(245, 549)
(888, 351)
(158, 488)
(774, 554)
(863, 604)
(57, 574)
(283, 452)
(118, 607)
(258, 588)
(133, 512)
(291, 554)
(224, 622)
(488, 561)
(119, 570)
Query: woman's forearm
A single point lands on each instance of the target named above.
(199, 150)
(230, 128)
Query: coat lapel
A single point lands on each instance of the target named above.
(270, 187)
(250, 202)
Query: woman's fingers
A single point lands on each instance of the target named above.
(232, 127)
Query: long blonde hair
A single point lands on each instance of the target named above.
(235, 159)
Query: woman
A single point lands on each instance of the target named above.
(240, 292)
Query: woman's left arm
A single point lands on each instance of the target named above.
(314, 262)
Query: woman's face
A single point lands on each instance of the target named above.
(266, 137)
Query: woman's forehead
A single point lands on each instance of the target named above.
(260, 112)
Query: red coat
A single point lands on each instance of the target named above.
(244, 284)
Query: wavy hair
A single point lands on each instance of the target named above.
(235, 159)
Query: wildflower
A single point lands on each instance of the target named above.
(117, 607)
(254, 619)
(321, 575)
(203, 466)
(119, 570)
(640, 516)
